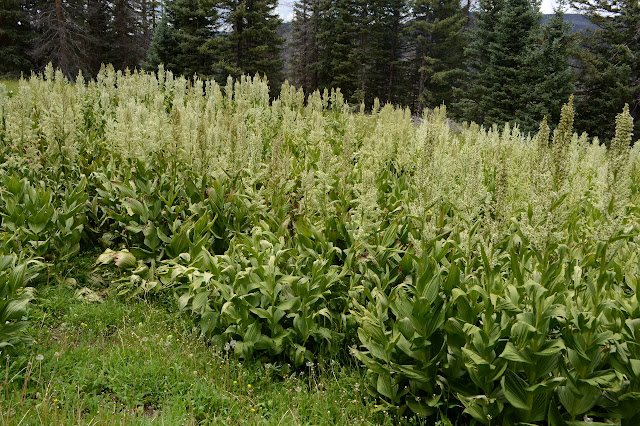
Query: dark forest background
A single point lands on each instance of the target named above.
(490, 61)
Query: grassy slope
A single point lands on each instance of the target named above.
(134, 362)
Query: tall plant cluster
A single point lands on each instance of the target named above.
(471, 276)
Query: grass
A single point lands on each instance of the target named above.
(11, 85)
(136, 362)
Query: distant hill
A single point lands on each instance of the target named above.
(580, 23)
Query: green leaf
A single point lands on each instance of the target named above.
(301, 326)
(208, 322)
(420, 408)
(581, 403)
(252, 333)
(514, 389)
(385, 387)
(511, 353)
(200, 300)
(552, 348)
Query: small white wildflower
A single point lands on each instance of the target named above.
(39, 357)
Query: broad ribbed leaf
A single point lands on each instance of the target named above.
(514, 389)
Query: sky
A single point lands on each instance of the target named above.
(285, 8)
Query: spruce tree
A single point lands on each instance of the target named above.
(362, 49)
(436, 34)
(15, 36)
(609, 64)
(126, 51)
(62, 35)
(304, 44)
(337, 65)
(362, 53)
(472, 91)
(99, 35)
(503, 76)
(252, 45)
(553, 70)
(163, 48)
(388, 48)
(509, 79)
(195, 25)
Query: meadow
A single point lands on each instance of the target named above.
(179, 251)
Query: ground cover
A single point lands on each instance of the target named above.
(11, 85)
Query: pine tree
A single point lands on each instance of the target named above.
(15, 35)
(194, 24)
(252, 45)
(510, 82)
(163, 48)
(62, 35)
(552, 68)
(362, 49)
(337, 65)
(436, 31)
(304, 44)
(126, 52)
(147, 22)
(609, 63)
(472, 91)
(366, 19)
(501, 84)
(388, 48)
(99, 35)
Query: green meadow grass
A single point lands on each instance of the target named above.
(11, 85)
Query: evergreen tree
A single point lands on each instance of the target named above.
(15, 35)
(551, 63)
(304, 44)
(337, 65)
(194, 24)
(62, 35)
(126, 52)
(511, 83)
(99, 35)
(163, 49)
(147, 22)
(386, 74)
(436, 31)
(252, 45)
(472, 91)
(609, 66)
(502, 83)
(362, 49)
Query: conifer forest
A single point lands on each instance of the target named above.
(421, 212)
